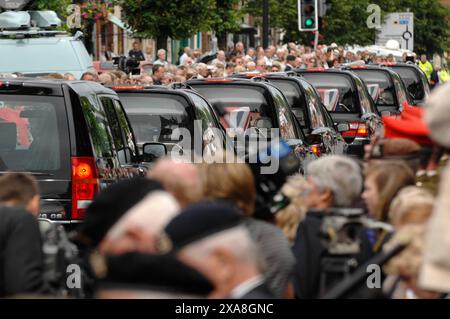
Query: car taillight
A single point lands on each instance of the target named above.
(84, 185)
(362, 130)
(357, 129)
(316, 150)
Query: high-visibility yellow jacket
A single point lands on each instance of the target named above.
(444, 76)
(426, 67)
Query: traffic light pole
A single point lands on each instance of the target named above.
(265, 33)
(308, 15)
(316, 40)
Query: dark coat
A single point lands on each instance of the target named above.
(288, 68)
(21, 257)
(309, 252)
(138, 55)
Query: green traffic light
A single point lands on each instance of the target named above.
(309, 22)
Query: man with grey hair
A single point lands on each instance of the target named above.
(333, 182)
(210, 237)
(161, 58)
(202, 70)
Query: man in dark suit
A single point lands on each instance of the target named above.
(21, 257)
(290, 61)
(158, 71)
(211, 237)
(136, 52)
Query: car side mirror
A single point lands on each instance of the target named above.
(314, 139)
(153, 151)
(343, 127)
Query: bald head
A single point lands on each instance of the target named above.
(182, 180)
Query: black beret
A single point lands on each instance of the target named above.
(163, 273)
(111, 204)
(198, 221)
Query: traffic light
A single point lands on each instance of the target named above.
(308, 15)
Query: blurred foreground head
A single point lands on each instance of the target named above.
(182, 180)
(230, 181)
(383, 180)
(290, 217)
(412, 205)
(435, 272)
(210, 237)
(135, 231)
(110, 205)
(437, 115)
(20, 190)
(332, 181)
(407, 264)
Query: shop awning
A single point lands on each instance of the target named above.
(113, 19)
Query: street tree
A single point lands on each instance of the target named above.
(346, 23)
(283, 15)
(161, 19)
(59, 6)
(227, 19)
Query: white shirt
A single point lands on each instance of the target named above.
(183, 57)
(245, 287)
(268, 61)
(165, 63)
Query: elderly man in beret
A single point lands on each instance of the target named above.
(211, 237)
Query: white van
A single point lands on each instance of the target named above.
(31, 44)
(43, 55)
